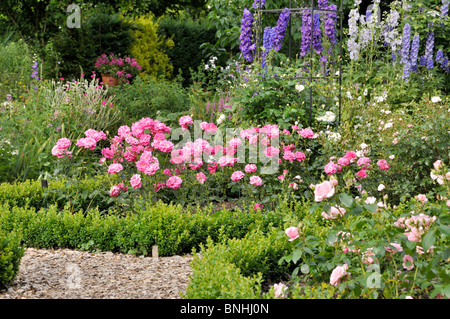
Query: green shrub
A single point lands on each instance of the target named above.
(151, 98)
(149, 48)
(168, 226)
(235, 268)
(11, 252)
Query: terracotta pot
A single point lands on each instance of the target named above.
(110, 80)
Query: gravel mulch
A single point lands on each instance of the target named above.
(71, 274)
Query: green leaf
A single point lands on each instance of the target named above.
(296, 255)
(428, 240)
(371, 208)
(346, 200)
(445, 230)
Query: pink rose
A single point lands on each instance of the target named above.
(335, 212)
(114, 191)
(437, 165)
(174, 182)
(330, 168)
(306, 133)
(135, 181)
(63, 143)
(300, 156)
(344, 161)
(201, 177)
(383, 165)
(237, 176)
(114, 168)
(258, 206)
(338, 273)
(256, 181)
(351, 156)
(423, 198)
(271, 152)
(280, 290)
(292, 233)
(408, 262)
(323, 191)
(361, 174)
(370, 200)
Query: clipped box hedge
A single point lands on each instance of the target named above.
(11, 253)
(173, 230)
(236, 268)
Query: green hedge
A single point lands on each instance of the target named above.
(11, 252)
(236, 268)
(168, 226)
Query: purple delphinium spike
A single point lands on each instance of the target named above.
(414, 52)
(280, 30)
(256, 4)
(423, 60)
(444, 10)
(317, 34)
(323, 4)
(246, 46)
(445, 65)
(406, 41)
(429, 50)
(306, 32)
(406, 70)
(267, 44)
(330, 24)
(439, 56)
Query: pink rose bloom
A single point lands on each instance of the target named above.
(361, 174)
(135, 181)
(280, 290)
(256, 181)
(208, 127)
(344, 161)
(338, 273)
(408, 262)
(174, 182)
(235, 142)
(185, 121)
(292, 233)
(87, 142)
(300, 156)
(96, 135)
(63, 143)
(363, 161)
(351, 156)
(108, 153)
(114, 191)
(289, 156)
(370, 200)
(330, 168)
(306, 133)
(437, 165)
(323, 191)
(114, 168)
(383, 165)
(335, 212)
(397, 248)
(237, 176)
(423, 198)
(271, 151)
(201, 177)
(258, 206)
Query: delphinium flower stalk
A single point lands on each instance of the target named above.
(323, 4)
(406, 70)
(429, 50)
(246, 46)
(330, 24)
(444, 9)
(414, 52)
(406, 42)
(317, 34)
(267, 44)
(306, 32)
(445, 65)
(259, 4)
(280, 29)
(352, 45)
(439, 56)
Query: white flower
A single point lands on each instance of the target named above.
(328, 117)
(221, 119)
(349, 95)
(381, 187)
(206, 66)
(388, 125)
(436, 99)
(299, 87)
(391, 157)
(334, 137)
(363, 145)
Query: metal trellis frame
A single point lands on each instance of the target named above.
(310, 78)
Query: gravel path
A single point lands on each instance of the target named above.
(71, 274)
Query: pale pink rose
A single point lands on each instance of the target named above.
(293, 185)
(338, 273)
(235, 142)
(448, 203)
(135, 181)
(344, 161)
(323, 190)
(292, 233)
(397, 248)
(256, 181)
(363, 161)
(408, 262)
(437, 165)
(383, 165)
(422, 198)
(114, 168)
(174, 182)
(333, 181)
(237, 176)
(280, 290)
(306, 133)
(114, 191)
(335, 212)
(370, 200)
(201, 177)
(351, 156)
